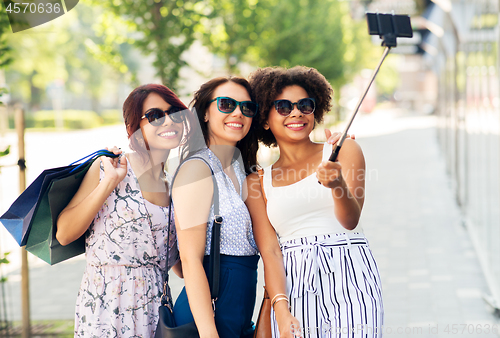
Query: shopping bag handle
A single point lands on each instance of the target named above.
(89, 159)
(104, 151)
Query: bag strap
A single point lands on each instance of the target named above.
(89, 159)
(214, 263)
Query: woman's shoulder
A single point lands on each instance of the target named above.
(204, 153)
(351, 152)
(201, 157)
(193, 169)
(351, 145)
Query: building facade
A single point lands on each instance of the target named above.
(464, 55)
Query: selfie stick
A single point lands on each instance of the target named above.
(336, 150)
(385, 25)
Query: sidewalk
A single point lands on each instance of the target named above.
(432, 281)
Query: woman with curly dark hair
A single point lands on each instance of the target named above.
(332, 282)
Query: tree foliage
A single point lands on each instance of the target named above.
(97, 39)
(5, 57)
(305, 32)
(69, 50)
(162, 28)
(313, 33)
(231, 29)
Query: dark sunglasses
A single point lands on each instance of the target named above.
(227, 105)
(156, 116)
(285, 107)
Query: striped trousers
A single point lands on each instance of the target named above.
(334, 287)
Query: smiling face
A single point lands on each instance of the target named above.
(165, 136)
(227, 129)
(295, 127)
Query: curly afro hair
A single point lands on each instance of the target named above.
(267, 83)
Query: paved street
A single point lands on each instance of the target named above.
(432, 281)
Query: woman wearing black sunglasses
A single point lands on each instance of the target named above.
(332, 281)
(123, 205)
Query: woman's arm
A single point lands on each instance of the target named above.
(192, 198)
(346, 178)
(76, 218)
(267, 242)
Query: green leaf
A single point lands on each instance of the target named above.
(5, 152)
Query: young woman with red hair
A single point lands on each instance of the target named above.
(122, 205)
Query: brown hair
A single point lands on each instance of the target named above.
(248, 146)
(133, 106)
(268, 83)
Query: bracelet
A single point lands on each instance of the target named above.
(278, 294)
(278, 299)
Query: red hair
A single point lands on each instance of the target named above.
(133, 106)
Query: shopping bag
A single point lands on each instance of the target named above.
(18, 218)
(42, 241)
(34, 213)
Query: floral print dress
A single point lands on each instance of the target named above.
(126, 250)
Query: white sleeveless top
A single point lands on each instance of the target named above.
(302, 209)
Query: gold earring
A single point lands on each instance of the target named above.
(206, 118)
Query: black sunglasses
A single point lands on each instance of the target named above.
(227, 105)
(156, 116)
(285, 107)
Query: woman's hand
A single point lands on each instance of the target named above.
(333, 138)
(330, 174)
(114, 149)
(346, 179)
(115, 169)
(77, 216)
(288, 325)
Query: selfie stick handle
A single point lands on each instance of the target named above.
(336, 150)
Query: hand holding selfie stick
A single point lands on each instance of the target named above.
(388, 27)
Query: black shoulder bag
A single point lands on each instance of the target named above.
(166, 323)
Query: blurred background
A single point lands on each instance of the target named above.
(71, 75)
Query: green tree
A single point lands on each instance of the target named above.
(5, 57)
(231, 29)
(315, 33)
(102, 49)
(38, 60)
(69, 49)
(162, 28)
(5, 49)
